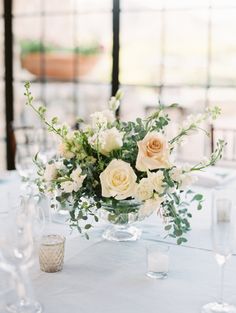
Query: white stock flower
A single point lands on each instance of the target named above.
(64, 151)
(114, 104)
(50, 172)
(156, 180)
(77, 177)
(60, 166)
(184, 179)
(118, 180)
(107, 140)
(69, 186)
(100, 119)
(144, 190)
(150, 206)
(111, 139)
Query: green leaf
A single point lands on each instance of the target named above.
(168, 227)
(87, 226)
(197, 197)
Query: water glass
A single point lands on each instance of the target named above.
(157, 261)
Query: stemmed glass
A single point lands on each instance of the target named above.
(17, 250)
(223, 241)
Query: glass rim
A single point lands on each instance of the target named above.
(63, 239)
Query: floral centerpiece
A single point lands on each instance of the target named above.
(124, 171)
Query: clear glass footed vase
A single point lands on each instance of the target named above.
(122, 215)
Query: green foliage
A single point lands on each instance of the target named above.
(34, 46)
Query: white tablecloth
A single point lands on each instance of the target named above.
(107, 277)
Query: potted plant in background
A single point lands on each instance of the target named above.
(46, 60)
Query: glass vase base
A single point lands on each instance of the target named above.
(215, 307)
(119, 233)
(25, 307)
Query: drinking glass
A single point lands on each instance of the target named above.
(157, 261)
(223, 241)
(17, 250)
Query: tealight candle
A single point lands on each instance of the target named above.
(157, 261)
(51, 253)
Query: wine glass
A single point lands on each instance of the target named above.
(223, 242)
(17, 249)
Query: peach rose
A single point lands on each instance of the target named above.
(153, 152)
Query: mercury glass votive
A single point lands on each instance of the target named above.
(157, 261)
(51, 253)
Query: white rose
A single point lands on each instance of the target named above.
(150, 206)
(50, 172)
(64, 151)
(118, 180)
(109, 140)
(156, 179)
(144, 190)
(153, 152)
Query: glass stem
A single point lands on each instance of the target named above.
(221, 289)
(23, 284)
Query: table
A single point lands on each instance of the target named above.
(107, 277)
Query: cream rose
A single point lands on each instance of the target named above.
(150, 206)
(144, 190)
(118, 180)
(156, 180)
(153, 152)
(50, 172)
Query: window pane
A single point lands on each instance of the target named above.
(95, 39)
(190, 99)
(185, 47)
(186, 4)
(137, 102)
(25, 31)
(59, 6)
(93, 5)
(223, 65)
(140, 48)
(139, 5)
(60, 101)
(26, 6)
(92, 98)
